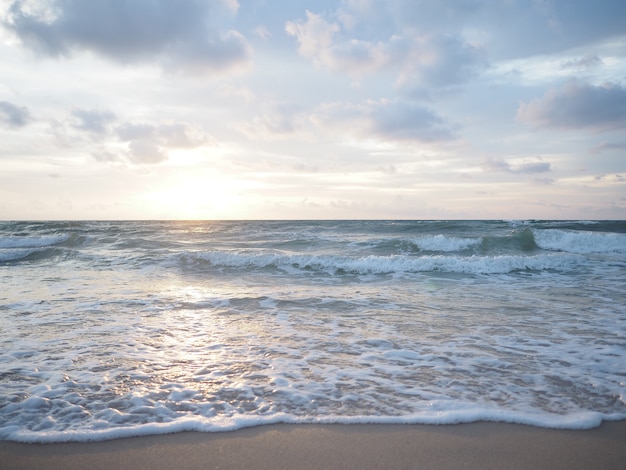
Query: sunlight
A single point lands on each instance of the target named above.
(196, 198)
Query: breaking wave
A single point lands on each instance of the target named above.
(380, 264)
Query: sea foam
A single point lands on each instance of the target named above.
(581, 242)
(121, 329)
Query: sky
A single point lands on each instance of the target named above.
(282, 109)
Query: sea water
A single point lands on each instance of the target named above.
(113, 329)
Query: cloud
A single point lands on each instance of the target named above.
(608, 147)
(317, 41)
(494, 165)
(145, 152)
(578, 106)
(127, 141)
(434, 60)
(262, 32)
(586, 62)
(545, 26)
(149, 143)
(93, 120)
(395, 121)
(284, 121)
(383, 120)
(174, 33)
(14, 116)
(173, 135)
(439, 61)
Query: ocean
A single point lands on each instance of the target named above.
(117, 329)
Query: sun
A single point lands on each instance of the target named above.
(195, 198)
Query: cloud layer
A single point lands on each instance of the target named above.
(419, 108)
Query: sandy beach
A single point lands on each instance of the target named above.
(477, 445)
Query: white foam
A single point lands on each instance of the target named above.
(391, 264)
(446, 244)
(580, 242)
(469, 414)
(221, 333)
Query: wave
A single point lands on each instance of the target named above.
(447, 244)
(31, 254)
(14, 255)
(392, 264)
(32, 242)
(580, 242)
(32, 248)
(165, 424)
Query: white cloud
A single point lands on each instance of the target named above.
(433, 60)
(127, 141)
(325, 44)
(356, 101)
(262, 32)
(145, 152)
(149, 143)
(282, 122)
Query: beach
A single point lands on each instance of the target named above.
(370, 341)
(481, 445)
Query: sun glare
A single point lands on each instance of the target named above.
(196, 199)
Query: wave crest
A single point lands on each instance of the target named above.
(580, 242)
(392, 264)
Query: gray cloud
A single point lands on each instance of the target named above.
(398, 121)
(175, 33)
(608, 147)
(586, 62)
(439, 61)
(546, 27)
(492, 165)
(14, 116)
(93, 120)
(533, 167)
(401, 120)
(578, 106)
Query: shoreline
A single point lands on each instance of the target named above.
(364, 446)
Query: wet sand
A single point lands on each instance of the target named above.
(475, 445)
